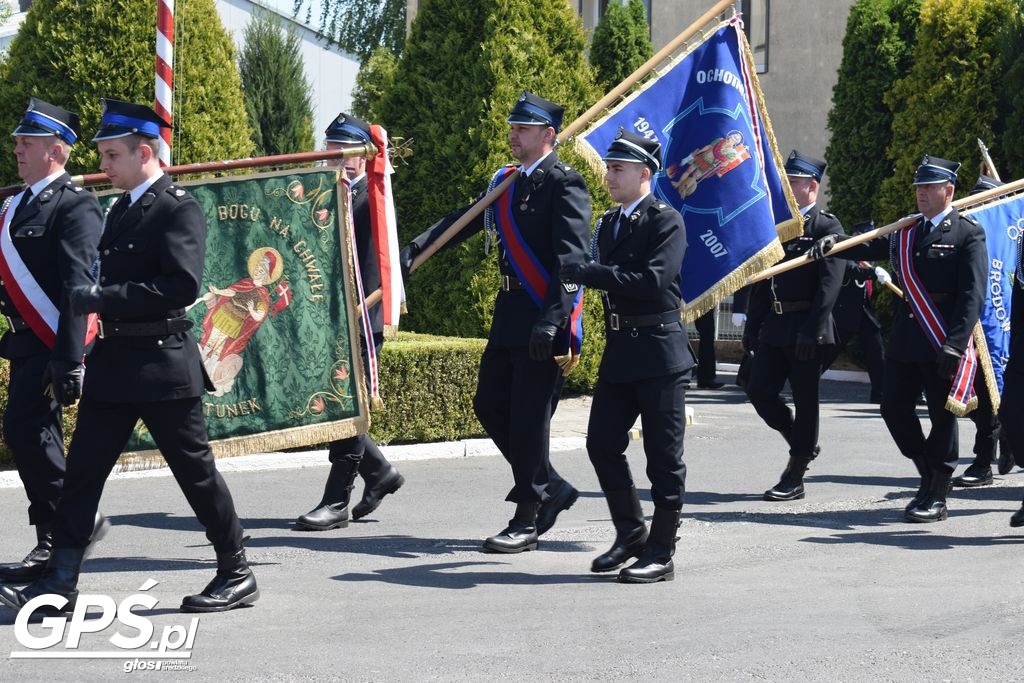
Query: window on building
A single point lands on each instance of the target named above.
(755, 22)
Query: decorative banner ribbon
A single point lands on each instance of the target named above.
(371, 350)
(961, 399)
(384, 224)
(530, 270)
(33, 305)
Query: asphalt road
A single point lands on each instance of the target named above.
(834, 587)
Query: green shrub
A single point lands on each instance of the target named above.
(72, 53)
(1008, 152)
(877, 47)
(427, 384)
(376, 76)
(274, 87)
(948, 98)
(621, 43)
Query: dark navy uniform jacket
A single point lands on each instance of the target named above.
(56, 235)
(151, 266)
(369, 267)
(816, 285)
(853, 303)
(642, 278)
(552, 210)
(952, 263)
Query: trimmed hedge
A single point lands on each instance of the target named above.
(427, 384)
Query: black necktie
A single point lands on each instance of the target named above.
(25, 199)
(617, 225)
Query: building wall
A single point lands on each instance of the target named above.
(331, 73)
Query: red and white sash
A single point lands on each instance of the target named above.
(384, 225)
(961, 399)
(33, 305)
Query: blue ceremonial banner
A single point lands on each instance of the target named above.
(720, 164)
(1003, 223)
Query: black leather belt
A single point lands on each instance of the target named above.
(780, 307)
(16, 324)
(510, 283)
(156, 328)
(616, 321)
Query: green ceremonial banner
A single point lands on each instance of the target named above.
(275, 319)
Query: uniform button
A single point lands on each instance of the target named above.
(106, 252)
(29, 232)
(917, 253)
(103, 278)
(130, 245)
(159, 342)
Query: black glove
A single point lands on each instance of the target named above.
(83, 300)
(806, 347)
(542, 336)
(948, 361)
(406, 257)
(62, 381)
(580, 273)
(822, 246)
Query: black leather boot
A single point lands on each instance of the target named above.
(1006, 460)
(791, 483)
(31, 568)
(59, 577)
(924, 487)
(630, 530)
(233, 586)
(978, 473)
(376, 488)
(933, 507)
(562, 499)
(1017, 518)
(332, 512)
(520, 534)
(655, 562)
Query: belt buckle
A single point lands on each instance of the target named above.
(777, 307)
(613, 322)
(506, 283)
(99, 328)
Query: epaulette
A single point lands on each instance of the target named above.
(73, 186)
(826, 214)
(176, 192)
(970, 219)
(659, 205)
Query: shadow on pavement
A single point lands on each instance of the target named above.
(916, 539)
(441, 576)
(405, 547)
(839, 520)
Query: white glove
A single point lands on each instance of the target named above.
(738, 319)
(882, 275)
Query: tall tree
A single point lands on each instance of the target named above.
(948, 97)
(877, 49)
(1008, 151)
(275, 89)
(360, 26)
(621, 43)
(111, 55)
(376, 76)
(463, 68)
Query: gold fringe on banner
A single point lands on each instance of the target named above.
(771, 253)
(985, 358)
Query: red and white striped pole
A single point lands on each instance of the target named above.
(164, 72)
